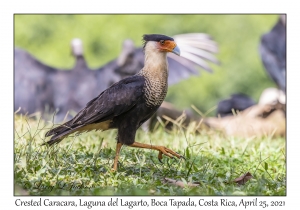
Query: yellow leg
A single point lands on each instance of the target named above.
(119, 146)
(161, 149)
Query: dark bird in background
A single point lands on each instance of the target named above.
(273, 53)
(236, 102)
(71, 89)
(32, 91)
(42, 88)
(127, 104)
(38, 86)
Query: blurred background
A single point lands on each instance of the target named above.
(47, 37)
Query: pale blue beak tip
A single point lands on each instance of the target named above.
(176, 51)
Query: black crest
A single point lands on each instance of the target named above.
(155, 37)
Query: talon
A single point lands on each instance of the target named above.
(161, 149)
(160, 156)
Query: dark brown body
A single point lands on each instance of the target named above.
(123, 106)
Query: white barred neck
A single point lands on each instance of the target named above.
(156, 63)
(155, 73)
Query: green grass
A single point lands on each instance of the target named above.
(80, 165)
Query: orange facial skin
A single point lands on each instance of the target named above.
(166, 45)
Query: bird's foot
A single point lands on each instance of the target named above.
(162, 150)
(168, 152)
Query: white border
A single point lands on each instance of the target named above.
(6, 85)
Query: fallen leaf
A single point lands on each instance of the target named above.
(181, 183)
(244, 178)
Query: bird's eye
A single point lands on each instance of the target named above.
(162, 42)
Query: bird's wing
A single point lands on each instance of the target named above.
(272, 66)
(114, 101)
(273, 54)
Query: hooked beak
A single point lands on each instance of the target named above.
(176, 50)
(169, 46)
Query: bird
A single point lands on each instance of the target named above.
(46, 89)
(236, 102)
(71, 87)
(273, 52)
(36, 83)
(127, 104)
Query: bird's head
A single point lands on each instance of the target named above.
(162, 43)
(77, 47)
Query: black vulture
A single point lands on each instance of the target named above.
(41, 88)
(32, 79)
(273, 52)
(127, 104)
(74, 88)
(236, 102)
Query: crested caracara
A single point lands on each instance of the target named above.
(127, 104)
(237, 102)
(197, 50)
(39, 87)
